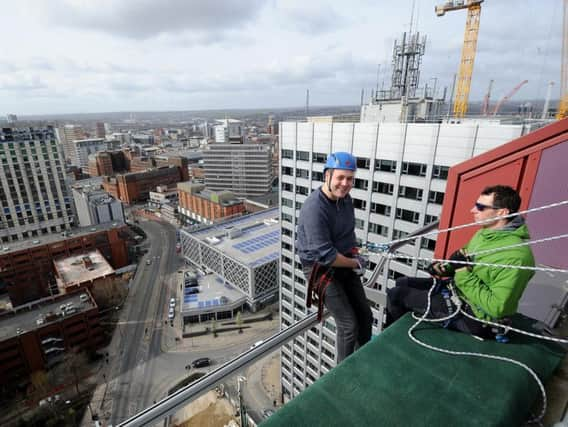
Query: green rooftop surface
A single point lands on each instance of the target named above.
(392, 381)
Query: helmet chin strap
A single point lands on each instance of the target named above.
(329, 181)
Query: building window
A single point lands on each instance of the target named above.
(363, 163)
(394, 274)
(319, 157)
(286, 217)
(303, 155)
(410, 192)
(408, 215)
(287, 170)
(287, 246)
(426, 243)
(385, 165)
(411, 168)
(430, 219)
(287, 202)
(381, 230)
(359, 204)
(436, 197)
(302, 190)
(302, 173)
(361, 184)
(317, 176)
(287, 154)
(286, 186)
(399, 234)
(360, 224)
(380, 209)
(383, 187)
(440, 172)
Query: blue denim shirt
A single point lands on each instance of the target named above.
(325, 227)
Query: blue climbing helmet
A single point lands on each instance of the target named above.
(341, 160)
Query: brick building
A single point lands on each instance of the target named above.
(196, 203)
(136, 186)
(27, 269)
(38, 335)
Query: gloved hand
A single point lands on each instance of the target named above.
(362, 263)
(448, 269)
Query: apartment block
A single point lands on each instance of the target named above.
(34, 196)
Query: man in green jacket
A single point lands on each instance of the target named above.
(489, 292)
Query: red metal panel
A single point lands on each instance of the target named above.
(469, 189)
(515, 164)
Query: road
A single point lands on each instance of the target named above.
(142, 323)
(146, 360)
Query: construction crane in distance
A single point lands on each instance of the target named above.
(485, 106)
(468, 50)
(563, 106)
(547, 100)
(509, 95)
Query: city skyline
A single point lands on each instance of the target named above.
(71, 57)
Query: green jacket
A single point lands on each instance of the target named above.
(494, 292)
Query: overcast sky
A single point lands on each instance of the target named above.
(74, 56)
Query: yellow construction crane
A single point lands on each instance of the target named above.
(563, 107)
(468, 50)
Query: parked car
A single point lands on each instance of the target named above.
(172, 302)
(148, 261)
(201, 362)
(171, 313)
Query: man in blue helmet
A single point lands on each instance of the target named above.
(326, 246)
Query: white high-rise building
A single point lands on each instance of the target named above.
(66, 135)
(399, 187)
(229, 130)
(80, 149)
(34, 196)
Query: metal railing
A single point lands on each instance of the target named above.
(172, 403)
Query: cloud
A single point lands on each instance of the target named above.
(310, 17)
(143, 19)
(21, 83)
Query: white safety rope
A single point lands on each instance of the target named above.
(477, 223)
(424, 318)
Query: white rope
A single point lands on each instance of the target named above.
(485, 264)
(474, 354)
(472, 224)
(516, 245)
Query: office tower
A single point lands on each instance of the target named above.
(399, 187)
(66, 135)
(34, 197)
(244, 169)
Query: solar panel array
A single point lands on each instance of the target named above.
(189, 298)
(270, 257)
(259, 242)
(209, 303)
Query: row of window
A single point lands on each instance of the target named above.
(384, 165)
(404, 191)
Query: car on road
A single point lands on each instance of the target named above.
(201, 362)
(148, 261)
(172, 302)
(171, 313)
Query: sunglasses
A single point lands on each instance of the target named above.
(481, 207)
